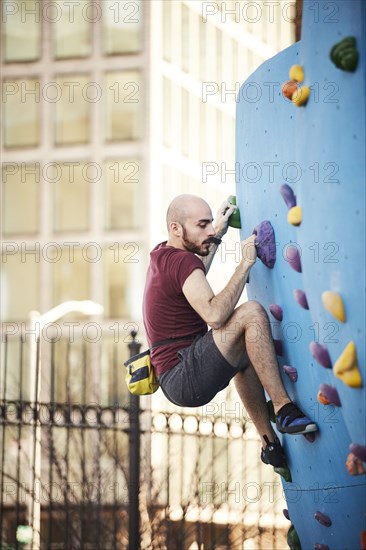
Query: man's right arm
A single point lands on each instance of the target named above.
(216, 309)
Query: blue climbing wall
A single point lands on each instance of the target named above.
(319, 150)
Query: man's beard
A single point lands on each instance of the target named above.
(195, 248)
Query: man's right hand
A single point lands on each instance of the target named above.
(248, 250)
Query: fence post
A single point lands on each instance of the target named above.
(134, 459)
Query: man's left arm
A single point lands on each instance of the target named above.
(221, 227)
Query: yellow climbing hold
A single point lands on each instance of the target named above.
(346, 367)
(301, 96)
(294, 215)
(334, 304)
(296, 72)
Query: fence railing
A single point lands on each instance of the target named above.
(200, 484)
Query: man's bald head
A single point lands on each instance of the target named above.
(183, 207)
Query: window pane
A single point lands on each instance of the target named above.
(124, 276)
(73, 108)
(21, 101)
(71, 276)
(124, 106)
(166, 14)
(21, 30)
(21, 198)
(72, 28)
(18, 298)
(72, 194)
(122, 26)
(123, 183)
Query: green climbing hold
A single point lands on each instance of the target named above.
(344, 54)
(234, 220)
(284, 471)
(293, 539)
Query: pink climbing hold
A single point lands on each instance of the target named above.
(265, 243)
(286, 514)
(292, 256)
(320, 353)
(301, 299)
(291, 372)
(358, 450)
(310, 437)
(328, 395)
(323, 519)
(288, 195)
(276, 311)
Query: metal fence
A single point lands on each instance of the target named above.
(69, 436)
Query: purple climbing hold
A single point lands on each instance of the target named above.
(323, 519)
(288, 195)
(278, 347)
(286, 514)
(319, 546)
(320, 353)
(265, 243)
(301, 299)
(276, 311)
(292, 256)
(358, 450)
(291, 372)
(328, 395)
(310, 437)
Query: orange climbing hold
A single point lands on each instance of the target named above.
(334, 304)
(346, 367)
(354, 465)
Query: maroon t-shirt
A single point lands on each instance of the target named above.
(166, 311)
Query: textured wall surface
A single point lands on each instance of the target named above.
(319, 150)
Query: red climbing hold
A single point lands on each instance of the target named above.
(323, 519)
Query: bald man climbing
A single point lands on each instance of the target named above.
(193, 363)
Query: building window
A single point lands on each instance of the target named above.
(185, 38)
(71, 270)
(21, 198)
(21, 30)
(124, 106)
(122, 26)
(166, 14)
(71, 194)
(123, 187)
(72, 110)
(19, 282)
(21, 101)
(72, 28)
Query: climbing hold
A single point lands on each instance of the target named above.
(346, 367)
(320, 353)
(301, 96)
(288, 195)
(319, 546)
(328, 395)
(276, 311)
(296, 73)
(363, 540)
(284, 472)
(286, 514)
(291, 372)
(300, 298)
(344, 54)
(234, 219)
(278, 347)
(310, 437)
(292, 256)
(265, 243)
(289, 88)
(294, 216)
(293, 539)
(354, 465)
(334, 304)
(323, 519)
(358, 450)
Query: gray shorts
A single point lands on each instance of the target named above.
(200, 374)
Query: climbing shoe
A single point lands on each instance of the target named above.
(273, 454)
(291, 420)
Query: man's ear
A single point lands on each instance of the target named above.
(176, 229)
